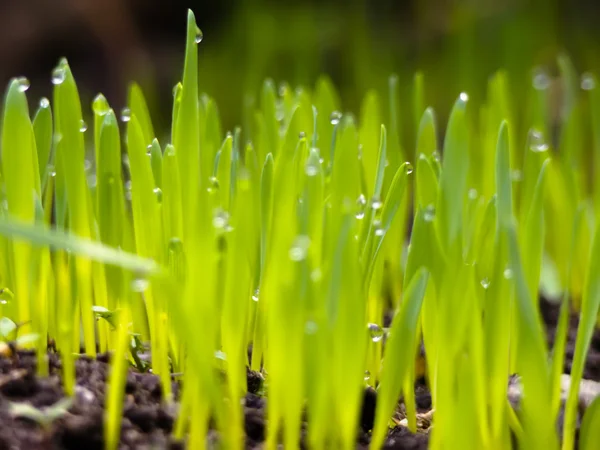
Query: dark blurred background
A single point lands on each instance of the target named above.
(358, 43)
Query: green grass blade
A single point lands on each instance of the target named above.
(398, 354)
(587, 322)
(139, 108)
(588, 434)
(42, 128)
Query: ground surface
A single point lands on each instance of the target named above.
(147, 424)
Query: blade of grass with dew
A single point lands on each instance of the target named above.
(369, 139)
(224, 171)
(328, 104)
(427, 134)
(271, 117)
(18, 148)
(588, 317)
(146, 200)
(284, 319)
(155, 153)
(139, 108)
(42, 128)
(171, 195)
(539, 432)
(498, 297)
(236, 302)
(70, 169)
(426, 185)
(266, 217)
(453, 178)
(399, 353)
(65, 305)
(186, 139)
(210, 138)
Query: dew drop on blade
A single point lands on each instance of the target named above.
(23, 84)
(125, 115)
(335, 117)
(375, 331)
(199, 36)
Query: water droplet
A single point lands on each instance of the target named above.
(44, 103)
(537, 142)
(158, 193)
(311, 169)
(387, 162)
(59, 75)
(299, 249)
(149, 150)
(82, 126)
(516, 175)
(485, 283)
(213, 184)
(283, 88)
(128, 185)
(588, 81)
(220, 219)
(255, 295)
(87, 165)
(91, 180)
(199, 36)
(429, 213)
(508, 273)
(23, 84)
(408, 168)
(473, 194)
(311, 327)
(220, 355)
(301, 135)
(379, 231)
(139, 285)
(464, 97)
(376, 203)
(125, 114)
(541, 80)
(335, 117)
(375, 331)
(436, 156)
(361, 203)
(367, 375)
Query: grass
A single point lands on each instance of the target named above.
(291, 237)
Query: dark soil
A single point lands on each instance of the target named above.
(147, 423)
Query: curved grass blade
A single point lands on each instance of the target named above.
(139, 108)
(588, 434)
(42, 128)
(398, 353)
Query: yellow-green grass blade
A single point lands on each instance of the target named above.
(177, 91)
(19, 169)
(236, 302)
(562, 328)
(156, 157)
(398, 354)
(70, 171)
(427, 134)
(116, 383)
(588, 434)
(187, 127)
(41, 235)
(42, 128)
(382, 225)
(498, 296)
(224, 171)
(453, 178)
(539, 430)
(210, 138)
(594, 108)
(271, 117)
(368, 211)
(266, 217)
(419, 105)
(371, 144)
(327, 101)
(426, 186)
(587, 321)
(139, 108)
(171, 195)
